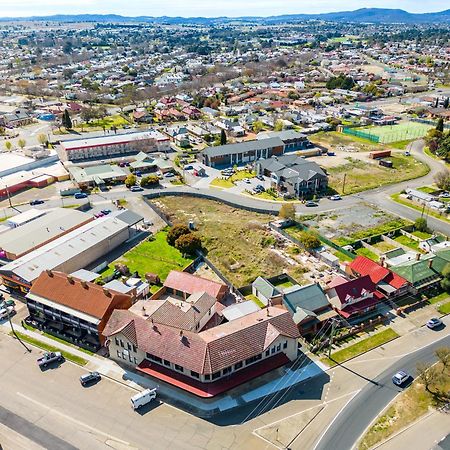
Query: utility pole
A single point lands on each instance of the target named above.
(343, 183)
(333, 329)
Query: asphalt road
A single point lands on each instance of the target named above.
(344, 432)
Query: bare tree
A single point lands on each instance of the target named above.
(429, 376)
(443, 354)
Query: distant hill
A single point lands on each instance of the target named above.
(363, 15)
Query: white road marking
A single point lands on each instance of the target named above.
(335, 417)
(71, 419)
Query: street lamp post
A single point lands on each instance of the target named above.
(16, 335)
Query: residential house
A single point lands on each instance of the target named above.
(265, 291)
(292, 140)
(73, 309)
(434, 244)
(309, 307)
(293, 174)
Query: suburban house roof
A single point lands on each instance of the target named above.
(310, 297)
(285, 135)
(242, 147)
(174, 312)
(188, 283)
(265, 287)
(82, 296)
(209, 351)
(365, 266)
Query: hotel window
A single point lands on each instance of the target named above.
(195, 374)
(238, 365)
(135, 360)
(129, 346)
(166, 363)
(216, 375)
(134, 348)
(116, 341)
(121, 343)
(285, 344)
(253, 359)
(278, 347)
(267, 352)
(226, 370)
(207, 377)
(273, 350)
(118, 354)
(179, 368)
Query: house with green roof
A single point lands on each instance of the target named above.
(265, 291)
(309, 307)
(425, 272)
(145, 163)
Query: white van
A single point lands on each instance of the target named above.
(143, 398)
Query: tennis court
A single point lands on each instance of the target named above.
(403, 131)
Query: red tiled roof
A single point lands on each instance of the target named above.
(347, 311)
(365, 266)
(211, 350)
(354, 288)
(88, 298)
(186, 282)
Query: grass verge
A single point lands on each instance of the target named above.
(362, 347)
(445, 308)
(405, 202)
(50, 348)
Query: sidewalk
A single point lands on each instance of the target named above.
(275, 381)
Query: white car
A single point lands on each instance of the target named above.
(434, 322)
(335, 197)
(6, 312)
(400, 377)
(246, 180)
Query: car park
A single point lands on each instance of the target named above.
(310, 203)
(36, 202)
(136, 189)
(400, 378)
(434, 322)
(90, 378)
(335, 197)
(80, 195)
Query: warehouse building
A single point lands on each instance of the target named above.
(112, 146)
(40, 231)
(71, 252)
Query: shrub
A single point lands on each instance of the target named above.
(309, 240)
(151, 180)
(176, 232)
(188, 243)
(287, 211)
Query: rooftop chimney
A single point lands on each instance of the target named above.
(107, 292)
(70, 279)
(417, 256)
(268, 312)
(49, 273)
(84, 284)
(430, 263)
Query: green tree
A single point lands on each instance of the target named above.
(442, 179)
(176, 232)
(151, 180)
(188, 243)
(130, 180)
(223, 137)
(445, 283)
(421, 224)
(42, 139)
(287, 211)
(309, 240)
(278, 125)
(257, 126)
(66, 120)
(8, 146)
(440, 125)
(21, 143)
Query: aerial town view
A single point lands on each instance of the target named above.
(224, 225)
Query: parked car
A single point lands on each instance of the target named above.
(407, 153)
(98, 215)
(260, 178)
(444, 195)
(5, 303)
(142, 398)
(188, 167)
(169, 175)
(400, 378)
(138, 174)
(335, 197)
(434, 322)
(105, 211)
(136, 189)
(36, 202)
(80, 195)
(7, 311)
(49, 358)
(246, 180)
(90, 378)
(260, 187)
(310, 203)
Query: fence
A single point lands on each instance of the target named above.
(361, 134)
(430, 122)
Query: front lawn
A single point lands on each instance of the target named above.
(439, 298)
(226, 183)
(445, 308)
(106, 123)
(155, 256)
(367, 253)
(408, 242)
(363, 346)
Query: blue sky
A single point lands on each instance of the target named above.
(206, 8)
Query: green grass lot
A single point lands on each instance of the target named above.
(439, 298)
(397, 133)
(50, 348)
(155, 256)
(362, 346)
(256, 300)
(374, 231)
(426, 189)
(383, 246)
(427, 151)
(238, 242)
(408, 242)
(332, 139)
(342, 256)
(410, 405)
(367, 253)
(445, 308)
(107, 122)
(361, 175)
(409, 203)
(228, 183)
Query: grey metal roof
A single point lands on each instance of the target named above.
(43, 229)
(232, 149)
(85, 275)
(310, 297)
(285, 135)
(265, 288)
(239, 310)
(129, 217)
